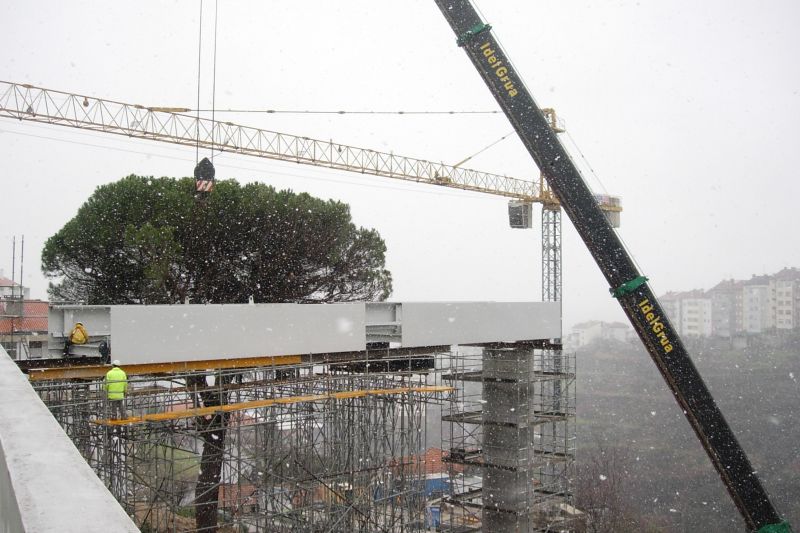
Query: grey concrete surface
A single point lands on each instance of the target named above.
(173, 333)
(45, 485)
(438, 323)
(156, 333)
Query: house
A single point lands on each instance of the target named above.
(586, 332)
(11, 289)
(23, 322)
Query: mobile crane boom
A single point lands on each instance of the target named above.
(626, 282)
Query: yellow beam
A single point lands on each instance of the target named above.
(98, 371)
(241, 406)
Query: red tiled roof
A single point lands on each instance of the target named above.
(35, 308)
(5, 282)
(33, 319)
(23, 325)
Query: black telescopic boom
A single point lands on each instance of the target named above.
(627, 284)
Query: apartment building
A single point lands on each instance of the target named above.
(689, 312)
(671, 303)
(759, 305)
(726, 308)
(586, 332)
(785, 292)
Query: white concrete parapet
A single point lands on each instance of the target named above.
(45, 484)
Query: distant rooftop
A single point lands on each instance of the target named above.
(33, 319)
(5, 282)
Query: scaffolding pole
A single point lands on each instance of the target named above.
(289, 448)
(509, 438)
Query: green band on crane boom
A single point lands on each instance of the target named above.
(783, 527)
(470, 34)
(628, 287)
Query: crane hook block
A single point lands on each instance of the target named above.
(204, 170)
(204, 176)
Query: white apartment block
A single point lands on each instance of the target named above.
(695, 319)
(756, 308)
(726, 308)
(586, 332)
(671, 303)
(689, 312)
(758, 305)
(761, 304)
(785, 293)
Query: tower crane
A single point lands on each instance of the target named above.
(28, 103)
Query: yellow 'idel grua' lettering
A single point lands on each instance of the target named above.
(500, 70)
(656, 325)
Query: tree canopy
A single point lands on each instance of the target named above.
(147, 240)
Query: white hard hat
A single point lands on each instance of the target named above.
(115, 362)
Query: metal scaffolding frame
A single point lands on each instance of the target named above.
(551, 253)
(509, 436)
(301, 447)
(339, 446)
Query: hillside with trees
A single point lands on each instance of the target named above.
(641, 468)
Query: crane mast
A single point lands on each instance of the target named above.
(626, 282)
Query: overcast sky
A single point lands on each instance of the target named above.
(687, 110)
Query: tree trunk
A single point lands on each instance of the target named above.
(212, 430)
(207, 491)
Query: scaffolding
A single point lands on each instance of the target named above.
(293, 448)
(509, 436)
(305, 446)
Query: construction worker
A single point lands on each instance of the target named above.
(116, 386)
(78, 335)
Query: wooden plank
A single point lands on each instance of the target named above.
(255, 404)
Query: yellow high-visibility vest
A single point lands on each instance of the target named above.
(116, 383)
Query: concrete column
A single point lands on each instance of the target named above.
(508, 390)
